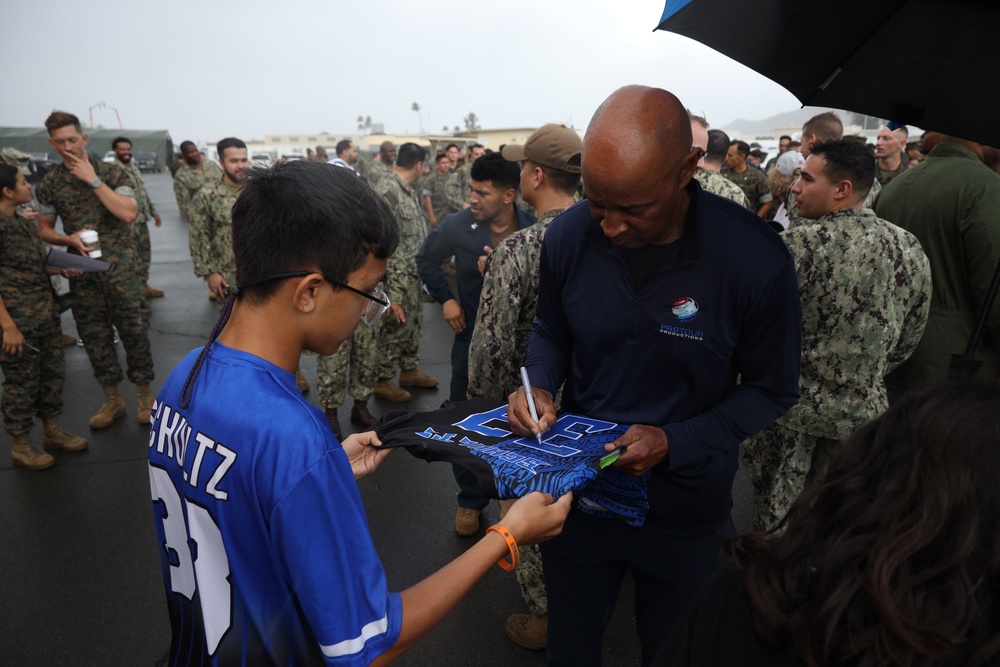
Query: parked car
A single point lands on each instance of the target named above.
(146, 162)
(109, 157)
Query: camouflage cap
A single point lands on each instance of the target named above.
(553, 146)
(16, 158)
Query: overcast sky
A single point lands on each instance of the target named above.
(204, 69)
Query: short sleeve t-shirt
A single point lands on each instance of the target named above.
(263, 541)
(475, 435)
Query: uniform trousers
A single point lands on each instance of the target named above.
(585, 565)
(100, 301)
(33, 387)
(469, 495)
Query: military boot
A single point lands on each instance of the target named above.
(54, 437)
(113, 409)
(414, 378)
(331, 416)
(387, 391)
(527, 630)
(151, 292)
(360, 414)
(25, 453)
(143, 403)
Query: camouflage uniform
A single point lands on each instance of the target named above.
(439, 196)
(753, 182)
(455, 195)
(211, 232)
(717, 184)
(883, 176)
(32, 387)
(146, 212)
(865, 290)
(795, 219)
(361, 353)
(188, 181)
(377, 172)
(400, 343)
(101, 300)
(499, 348)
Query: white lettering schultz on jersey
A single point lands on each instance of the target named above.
(170, 433)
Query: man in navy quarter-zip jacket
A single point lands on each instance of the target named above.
(674, 310)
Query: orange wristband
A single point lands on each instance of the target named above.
(515, 555)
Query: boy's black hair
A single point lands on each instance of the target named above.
(301, 215)
(494, 168)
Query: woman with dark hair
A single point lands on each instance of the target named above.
(31, 355)
(893, 559)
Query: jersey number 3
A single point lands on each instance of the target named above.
(196, 554)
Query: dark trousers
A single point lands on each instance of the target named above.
(469, 494)
(585, 565)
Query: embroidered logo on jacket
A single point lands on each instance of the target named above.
(685, 308)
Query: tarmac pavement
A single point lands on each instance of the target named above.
(80, 581)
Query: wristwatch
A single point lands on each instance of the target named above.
(96, 183)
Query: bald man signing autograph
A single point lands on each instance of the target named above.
(677, 311)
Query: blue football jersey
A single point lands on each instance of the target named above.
(263, 541)
(475, 435)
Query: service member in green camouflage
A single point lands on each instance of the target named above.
(210, 235)
(192, 175)
(122, 146)
(865, 290)
(399, 337)
(889, 156)
(382, 166)
(436, 201)
(550, 174)
(355, 364)
(464, 173)
(29, 316)
(709, 180)
(826, 126)
(90, 195)
(749, 179)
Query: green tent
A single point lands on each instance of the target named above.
(36, 140)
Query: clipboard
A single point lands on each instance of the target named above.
(58, 259)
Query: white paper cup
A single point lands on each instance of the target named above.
(89, 238)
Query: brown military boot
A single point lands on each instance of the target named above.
(112, 410)
(467, 521)
(387, 391)
(68, 340)
(301, 382)
(414, 378)
(527, 630)
(331, 416)
(54, 437)
(143, 403)
(25, 453)
(151, 292)
(360, 414)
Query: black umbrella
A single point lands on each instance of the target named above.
(928, 63)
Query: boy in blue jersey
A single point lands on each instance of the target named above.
(263, 541)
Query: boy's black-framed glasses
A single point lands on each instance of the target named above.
(378, 304)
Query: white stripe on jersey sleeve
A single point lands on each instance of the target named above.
(351, 646)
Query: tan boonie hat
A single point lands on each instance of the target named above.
(16, 158)
(553, 146)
